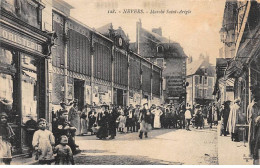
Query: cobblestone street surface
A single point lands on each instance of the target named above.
(164, 146)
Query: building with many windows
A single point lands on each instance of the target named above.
(24, 54)
(201, 79)
(96, 66)
(167, 54)
(240, 71)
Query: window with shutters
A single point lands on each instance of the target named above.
(206, 93)
(210, 81)
(205, 80)
(201, 79)
(196, 80)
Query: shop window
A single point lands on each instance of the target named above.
(29, 88)
(6, 56)
(6, 83)
(6, 88)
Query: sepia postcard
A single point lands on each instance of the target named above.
(130, 82)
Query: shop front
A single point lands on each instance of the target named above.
(23, 85)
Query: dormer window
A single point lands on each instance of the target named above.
(160, 49)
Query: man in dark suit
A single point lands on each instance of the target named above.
(112, 122)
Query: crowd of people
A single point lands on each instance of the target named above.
(105, 121)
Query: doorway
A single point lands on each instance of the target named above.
(79, 92)
(120, 98)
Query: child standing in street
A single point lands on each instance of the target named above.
(64, 152)
(6, 136)
(122, 122)
(43, 142)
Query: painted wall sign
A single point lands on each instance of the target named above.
(19, 39)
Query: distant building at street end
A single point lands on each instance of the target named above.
(167, 54)
(201, 79)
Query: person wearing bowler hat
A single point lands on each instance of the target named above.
(145, 121)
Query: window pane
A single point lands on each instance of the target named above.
(6, 87)
(196, 80)
(6, 56)
(29, 88)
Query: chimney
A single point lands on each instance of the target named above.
(138, 28)
(157, 31)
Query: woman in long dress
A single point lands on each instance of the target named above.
(84, 120)
(157, 114)
(102, 121)
(74, 117)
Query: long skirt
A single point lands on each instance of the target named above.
(157, 122)
(5, 150)
(198, 120)
(84, 126)
(102, 132)
(75, 122)
(145, 127)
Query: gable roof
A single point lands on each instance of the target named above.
(156, 37)
(105, 29)
(194, 66)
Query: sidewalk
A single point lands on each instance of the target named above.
(23, 160)
(232, 153)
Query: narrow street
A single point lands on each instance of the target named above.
(164, 146)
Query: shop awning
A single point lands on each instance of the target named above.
(234, 69)
(248, 49)
(221, 65)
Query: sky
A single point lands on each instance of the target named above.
(196, 29)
